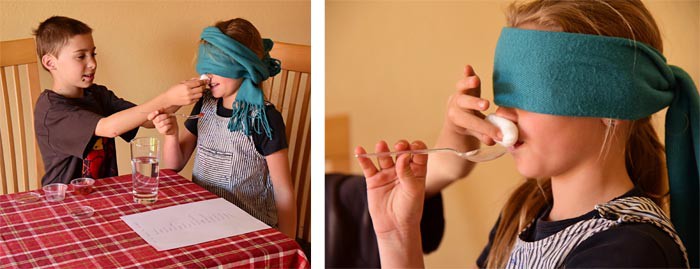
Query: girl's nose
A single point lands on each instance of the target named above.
(508, 113)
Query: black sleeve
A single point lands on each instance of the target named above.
(69, 129)
(263, 144)
(191, 124)
(481, 261)
(113, 103)
(629, 245)
(350, 238)
(116, 104)
(432, 224)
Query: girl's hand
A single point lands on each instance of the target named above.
(165, 124)
(395, 191)
(185, 93)
(464, 109)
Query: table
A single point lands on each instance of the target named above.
(43, 234)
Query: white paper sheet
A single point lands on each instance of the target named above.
(193, 223)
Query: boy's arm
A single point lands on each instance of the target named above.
(445, 169)
(181, 94)
(278, 164)
(462, 126)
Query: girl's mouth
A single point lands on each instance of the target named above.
(516, 145)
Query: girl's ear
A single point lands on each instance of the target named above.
(49, 61)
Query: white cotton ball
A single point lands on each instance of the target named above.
(208, 80)
(508, 128)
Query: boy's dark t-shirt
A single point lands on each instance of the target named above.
(65, 132)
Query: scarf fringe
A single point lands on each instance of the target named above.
(247, 117)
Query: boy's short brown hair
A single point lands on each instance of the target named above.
(53, 33)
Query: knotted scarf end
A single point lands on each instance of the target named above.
(249, 117)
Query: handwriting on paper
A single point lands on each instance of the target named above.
(193, 223)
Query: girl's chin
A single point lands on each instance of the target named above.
(216, 94)
(528, 170)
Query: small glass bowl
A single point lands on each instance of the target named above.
(83, 185)
(55, 192)
(81, 211)
(27, 197)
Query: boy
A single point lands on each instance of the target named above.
(76, 121)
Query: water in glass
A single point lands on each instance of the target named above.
(145, 179)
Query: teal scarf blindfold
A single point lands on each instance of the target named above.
(608, 77)
(226, 57)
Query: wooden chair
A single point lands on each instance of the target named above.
(18, 117)
(338, 155)
(292, 100)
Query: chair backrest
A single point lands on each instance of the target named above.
(292, 100)
(17, 157)
(338, 153)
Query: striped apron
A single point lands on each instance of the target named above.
(551, 252)
(228, 165)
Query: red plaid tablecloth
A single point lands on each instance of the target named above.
(43, 234)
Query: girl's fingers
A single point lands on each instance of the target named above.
(410, 174)
(403, 162)
(420, 159)
(152, 115)
(419, 162)
(160, 118)
(385, 162)
(403, 168)
(366, 164)
(401, 145)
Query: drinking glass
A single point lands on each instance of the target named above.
(145, 154)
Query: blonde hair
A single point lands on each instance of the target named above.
(644, 154)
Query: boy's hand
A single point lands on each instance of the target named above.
(186, 93)
(465, 107)
(164, 123)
